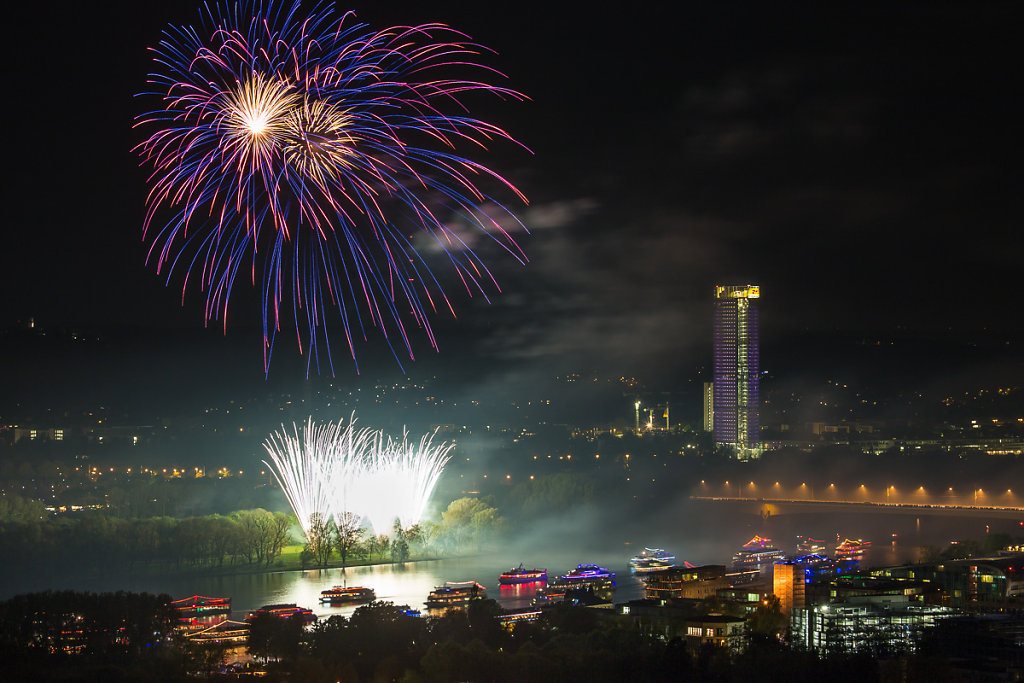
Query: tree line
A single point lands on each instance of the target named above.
(95, 541)
(38, 544)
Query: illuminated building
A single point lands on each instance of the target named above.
(709, 406)
(716, 629)
(877, 624)
(975, 583)
(788, 581)
(226, 631)
(652, 617)
(745, 597)
(736, 369)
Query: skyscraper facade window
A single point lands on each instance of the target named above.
(737, 369)
(709, 406)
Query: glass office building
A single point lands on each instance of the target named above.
(737, 369)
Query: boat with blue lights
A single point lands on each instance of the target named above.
(652, 560)
(517, 575)
(584, 579)
(585, 574)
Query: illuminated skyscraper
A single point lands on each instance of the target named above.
(709, 406)
(736, 369)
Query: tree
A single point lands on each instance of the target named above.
(278, 535)
(262, 535)
(372, 546)
(468, 520)
(767, 622)
(318, 539)
(383, 545)
(272, 637)
(399, 544)
(347, 535)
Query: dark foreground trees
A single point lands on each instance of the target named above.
(72, 637)
(570, 644)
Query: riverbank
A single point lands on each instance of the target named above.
(289, 560)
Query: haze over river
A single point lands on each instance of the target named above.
(700, 532)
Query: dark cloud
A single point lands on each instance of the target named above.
(858, 160)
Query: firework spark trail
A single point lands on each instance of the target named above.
(298, 465)
(307, 149)
(335, 468)
(347, 461)
(417, 468)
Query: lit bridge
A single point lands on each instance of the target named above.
(778, 506)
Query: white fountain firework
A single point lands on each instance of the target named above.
(298, 466)
(399, 480)
(333, 468)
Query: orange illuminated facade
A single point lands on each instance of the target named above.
(788, 585)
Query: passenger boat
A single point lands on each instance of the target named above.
(852, 550)
(809, 546)
(286, 611)
(339, 595)
(521, 575)
(756, 554)
(586, 574)
(198, 606)
(652, 560)
(456, 594)
(585, 578)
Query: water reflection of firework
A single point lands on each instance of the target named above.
(332, 469)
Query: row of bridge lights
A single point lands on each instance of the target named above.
(888, 490)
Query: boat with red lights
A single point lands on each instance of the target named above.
(756, 555)
(354, 594)
(456, 594)
(199, 606)
(286, 611)
(810, 546)
(852, 550)
(517, 575)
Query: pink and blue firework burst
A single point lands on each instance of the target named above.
(321, 161)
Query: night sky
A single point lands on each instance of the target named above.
(860, 161)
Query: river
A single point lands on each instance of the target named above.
(405, 584)
(696, 531)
